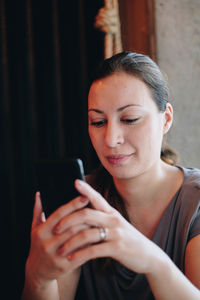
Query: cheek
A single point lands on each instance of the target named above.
(95, 139)
(91, 135)
(148, 137)
(154, 140)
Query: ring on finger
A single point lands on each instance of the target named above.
(103, 233)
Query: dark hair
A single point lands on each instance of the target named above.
(145, 69)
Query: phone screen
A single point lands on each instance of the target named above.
(55, 181)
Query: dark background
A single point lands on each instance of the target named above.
(48, 50)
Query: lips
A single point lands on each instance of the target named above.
(117, 159)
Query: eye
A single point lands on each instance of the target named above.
(98, 123)
(130, 121)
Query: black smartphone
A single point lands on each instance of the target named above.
(55, 181)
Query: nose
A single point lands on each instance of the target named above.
(114, 135)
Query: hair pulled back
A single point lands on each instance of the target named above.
(145, 69)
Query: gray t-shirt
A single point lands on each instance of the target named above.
(180, 223)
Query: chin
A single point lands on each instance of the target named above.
(122, 172)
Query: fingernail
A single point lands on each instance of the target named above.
(80, 182)
(70, 257)
(38, 196)
(43, 218)
(84, 199)
(56, 229)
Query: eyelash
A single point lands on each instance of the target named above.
(130, 121)
(126, 121)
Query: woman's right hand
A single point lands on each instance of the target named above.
(44, 264)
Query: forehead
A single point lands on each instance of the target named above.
(119, 89)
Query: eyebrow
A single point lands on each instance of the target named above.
(118, 110)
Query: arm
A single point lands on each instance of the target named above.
(48, 275)
(168, 282)
(67, 285)
(192, 260)
(32, 291)
(63, 288)
(127, 245)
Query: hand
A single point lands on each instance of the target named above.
(123, 242)
(43, 263)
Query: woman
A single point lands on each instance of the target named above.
(141, 238)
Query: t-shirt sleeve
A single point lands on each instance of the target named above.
(195, 227)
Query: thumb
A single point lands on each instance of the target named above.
(38, 215)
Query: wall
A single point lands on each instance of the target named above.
(178, 52)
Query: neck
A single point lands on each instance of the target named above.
(147, 195)
(142, 189)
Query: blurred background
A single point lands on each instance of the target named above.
(48, 52)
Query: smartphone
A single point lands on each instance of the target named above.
(55, 181)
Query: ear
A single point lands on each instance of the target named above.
(168, 118)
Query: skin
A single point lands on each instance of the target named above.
(130, 124)
(126, 130)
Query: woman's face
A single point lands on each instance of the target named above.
(125, 126)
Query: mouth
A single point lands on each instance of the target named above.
(118, 159)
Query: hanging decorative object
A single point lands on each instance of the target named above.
(108, 21)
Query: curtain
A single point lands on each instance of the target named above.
(48, 50)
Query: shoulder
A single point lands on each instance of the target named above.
(191, 182)
(188, 198)
(189, 193)
(192, 175)
(189, 201)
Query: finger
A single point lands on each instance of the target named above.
(37, 211)
(96, 200)
(57, 241)
(66, 209)
(94, 251)
(91, 217)
(82, 239)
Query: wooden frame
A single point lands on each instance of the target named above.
(138, 26)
